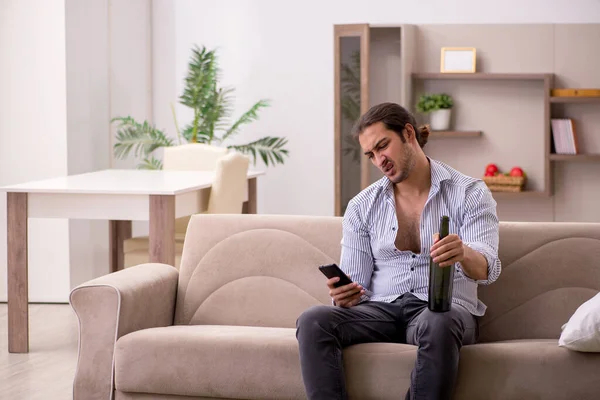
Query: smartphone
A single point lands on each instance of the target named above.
(332, 270)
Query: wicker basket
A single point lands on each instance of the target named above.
(503, 183)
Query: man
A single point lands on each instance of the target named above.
(389, 234)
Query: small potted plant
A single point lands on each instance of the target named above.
(439, 106)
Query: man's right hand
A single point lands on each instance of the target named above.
(345, 296)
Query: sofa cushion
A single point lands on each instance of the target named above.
(262, 363)
(211, 361)
(243, 362)
(527, 369)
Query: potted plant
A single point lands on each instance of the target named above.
(211, 122)
(439, 106)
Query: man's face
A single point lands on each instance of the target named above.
(387, 152)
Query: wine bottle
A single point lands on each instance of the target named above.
(441, 278)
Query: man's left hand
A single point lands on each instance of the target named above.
(447, 251)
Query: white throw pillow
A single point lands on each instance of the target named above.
(582, 332)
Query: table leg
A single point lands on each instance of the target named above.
(118, 231)
(162, 229)
(250, 205)
(18, 293)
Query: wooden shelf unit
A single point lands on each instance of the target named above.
(524, 193)
(577, 100)
(546, 79)
(575, 157)
(574, 100)
(454, 134)
(482, 76)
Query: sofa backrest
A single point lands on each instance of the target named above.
(256, 270)
(548, 270)
(261, 270)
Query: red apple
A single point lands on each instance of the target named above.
(516, 171)
(492, 169)
(489, 174)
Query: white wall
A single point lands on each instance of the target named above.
(66, 68)
(283, 50)
(164, 78)
(88, 145)
(33, 130)
(130, 66)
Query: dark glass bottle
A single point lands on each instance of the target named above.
(441, 278)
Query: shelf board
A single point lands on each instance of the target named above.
(481, 76)
(575, 157)
(578, 99)
(454, 134)
(525, 193)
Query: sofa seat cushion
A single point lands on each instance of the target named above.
(262, 363)
(210, 361)
(527, 369)
(241, 362)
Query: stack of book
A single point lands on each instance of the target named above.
(564, 137)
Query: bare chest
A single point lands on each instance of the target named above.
(408, 235)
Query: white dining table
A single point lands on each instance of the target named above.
(118, 196)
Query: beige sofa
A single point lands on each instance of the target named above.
(223, 327)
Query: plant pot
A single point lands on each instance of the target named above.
(440, 120)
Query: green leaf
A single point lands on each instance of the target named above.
(351, 88)
(352, 147)
(350, 75)
(350, 109)
(200, 86)
(201, 77)
(270, 149)
(216, 112)
(150, 163)
(246, 118)
(139, 138)
(187, 133)
(432, 102)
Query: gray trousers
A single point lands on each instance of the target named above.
(323, 331)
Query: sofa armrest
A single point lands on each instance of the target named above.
(114, 305)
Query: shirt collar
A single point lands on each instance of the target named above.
(438, 175)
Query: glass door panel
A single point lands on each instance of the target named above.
(351, 101)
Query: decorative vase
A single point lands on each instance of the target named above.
(440, 120)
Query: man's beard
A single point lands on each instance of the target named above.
(406, 167)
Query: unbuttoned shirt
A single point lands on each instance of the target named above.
(369, 255)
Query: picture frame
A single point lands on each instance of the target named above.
(458, 60)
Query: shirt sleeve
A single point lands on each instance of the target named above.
(356, 254)
(480, 229)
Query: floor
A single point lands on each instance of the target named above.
(46, 372)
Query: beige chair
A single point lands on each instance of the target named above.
(227, 196)
(192, 157)
(228, 193)
(187, 157)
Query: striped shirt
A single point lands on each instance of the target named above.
(369, 255)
